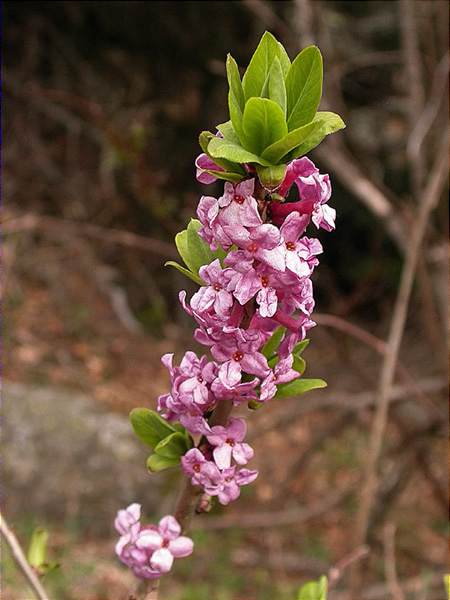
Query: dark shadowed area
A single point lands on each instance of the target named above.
(103, 104)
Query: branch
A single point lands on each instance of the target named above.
(431, 196)
(54, 225)
(21, 561)
(390, 568)
(350, 175)
(268, 519)
(344, 400)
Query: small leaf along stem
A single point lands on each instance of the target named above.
(16, 550)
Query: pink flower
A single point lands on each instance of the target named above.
(211, 231)
(203, 163)
(241, 392)
(314, 190)
(239, 352)
(261, 243)
(228, 488)
(191, 394)
(281, 373)
(149, 551)
(215, 295)
(164, 543)
(228, 442)
(291, 230)
(198, 468)
(238, 206)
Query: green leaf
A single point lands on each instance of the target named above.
(186, 272)
(263, 124)
(206, 136)
(173, 446)
(304, 87)
(228, 131)
(300, 347)
(226, 176)
(325, 123)
(149, 427)
(299, 364)
(271, 346)
(37, 549)
(258, 69)
(236, 100)
(314, 590)
(277, 150)
(276, 87)
(157, 463)
(194, 251)
(299, 386)
(271, 177)
(221, 148)
(199, 252)
(284, 59)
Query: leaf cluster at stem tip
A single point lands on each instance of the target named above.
(273, 113)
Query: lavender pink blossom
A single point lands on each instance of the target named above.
(149, 550)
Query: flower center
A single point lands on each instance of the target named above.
(165, 543)
(228, 479)
(217, 287)
(253, 247)
(238, 356)
(264, 281)
(239, 199)
(290, 245)
(196, 468)
(199, 378)
(230, 441)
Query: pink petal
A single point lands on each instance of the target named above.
(181, 547)
(149, 539)
(294, 226)
(242, 453)
(230, 373)
(162, 560)
(169, 528)
(237, 429)
(222, 456)
(296, 265)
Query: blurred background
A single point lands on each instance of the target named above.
(103, 103)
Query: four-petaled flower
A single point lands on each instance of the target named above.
(228, 443)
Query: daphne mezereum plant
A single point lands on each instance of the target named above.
(253, 261)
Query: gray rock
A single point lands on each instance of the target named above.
(67, 459)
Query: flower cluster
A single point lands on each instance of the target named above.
(250, 254)
(264, 282)
(265, 278)
(149, 550)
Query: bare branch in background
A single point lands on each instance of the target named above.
(350, 175)
(268, 519)
(359, 401)
(21, 561)
(390, 568)
(431, 196)
(54, 225)
(423, 124)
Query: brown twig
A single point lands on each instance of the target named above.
(431, 196)
(337, 571)
(379, 346)
(356, 402)
(21, 560)
(390, 568)
(54, 225)
(268, 519)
